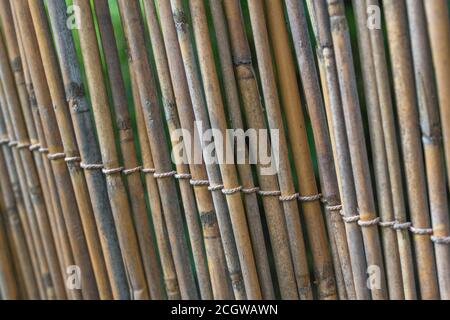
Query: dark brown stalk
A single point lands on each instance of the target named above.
(407, 110)
(382, 182)
(186, 114)
(211, 234)
(111, 167)
(89, 149)
(129, 155)
(431, 139)
(231, 96)
(218, 121)
(134, 30)
(368, 219)
(393, 157)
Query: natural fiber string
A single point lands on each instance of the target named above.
(148, 170)
(4, 141)
(421, 231)
(34, 147)
(112, 171)
(56, 156)
(183, 176)
(199, 183)
(369, 223)
(269, 193)
(232, 191)
(387, 224)
(440, 240)
(72, 159)
(131, 171)
(250, 190)
(310, 198)
(165, 175)
(289, 198)
(216, 188)
(91, 166)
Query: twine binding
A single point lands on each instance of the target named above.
(440, 240)
(112, 171)
(368, 223)
(310, 198)
(56, 156)
(164, 175)
(292, 197)
(131, 171)
(232, 191)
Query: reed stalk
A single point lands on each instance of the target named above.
(379, 157)
(8, 284)
(438, 22)
(110, 167)
(270, 188)
(217, 117)
(407, 110)
(128, 148)
(209, 174)
(368, 219)
(155, 131)
(431, 139)
(393, 157)
(211, 234)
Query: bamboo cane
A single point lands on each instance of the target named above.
(438, 17)
(56, 90)
(127, 146)
(133, 30)
(185, 111)
(14, 219)
(211, 234)
(397, 28)
(162, 237)
(38, 222)
(431, 139)
(392, 152)
(164, 174)
(8, 283)
(245, 170)
(116, 188)
(255, 118)
(218, 122)
(63, 175)
(318, 119)
(89, 149)
(360, 165)
(382, 182)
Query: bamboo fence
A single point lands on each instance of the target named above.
(224, 149)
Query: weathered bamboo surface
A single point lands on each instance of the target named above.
(204, 149)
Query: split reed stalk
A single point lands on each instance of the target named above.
(161, 155)
(393, 159)
(111, 168)
(218, 122)
(379, 157)
(407, 110)
(438, 18)
(368, 219)
(431, 139)
(231, 96)
(270, 189)
(126, 137)
(211, 234)
(185, 111)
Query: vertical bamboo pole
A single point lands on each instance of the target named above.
(397, 28)
(213, 246)
(164, 173)
(62, 113)
(245, 170)
(392, 152)
(89, 148)
(431, 139)
(438, 18)
(358, 152)
(45, 248)
(162, 237)
(181, 80)
(248, 86)
(111, 168)
(218, 122)
(8, 283)
(67, 190)
(128, 148)
(382, 182)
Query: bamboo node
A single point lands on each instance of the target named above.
(34, 147)
(112, 171)
(289, 198)
(402, 226)
(310, 198)
(183, 176)
(269, 193)
(440, 240)
(421, 231)
(369, 223)
(232, 191)
(148, 170)
(91, 166)
(387, 224)
(56, 156)
(199, 183)
(131, 171)
(250, 190)
(164, 175)
(216, 188)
